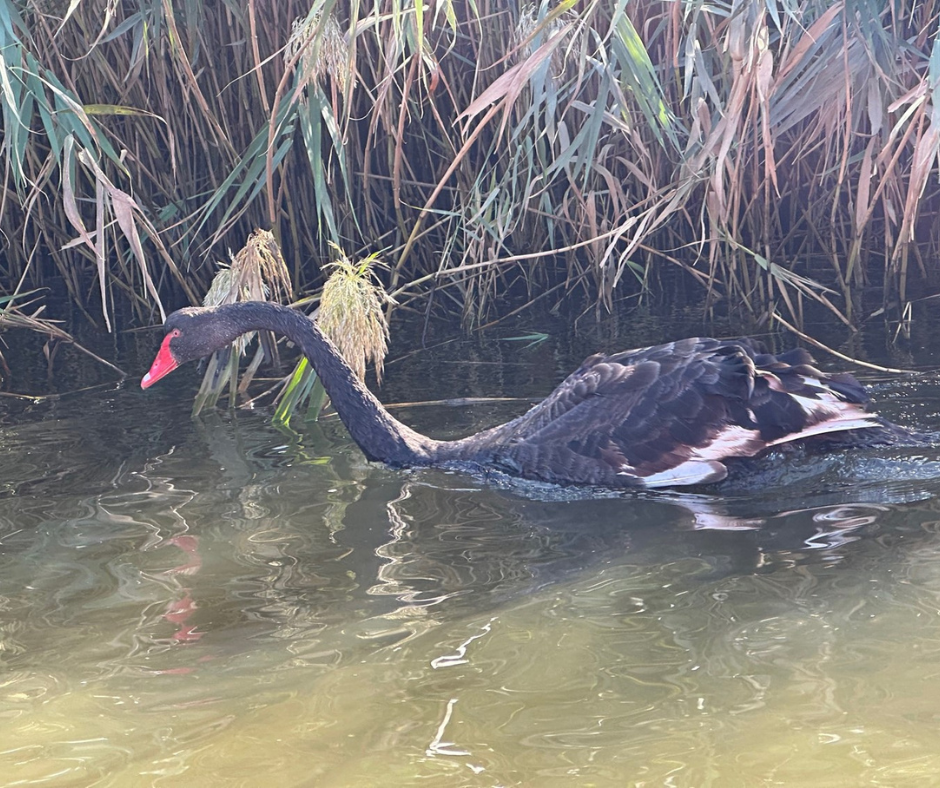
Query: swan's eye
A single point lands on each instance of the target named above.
(174, 333)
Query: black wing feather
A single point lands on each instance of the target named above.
(620, 418)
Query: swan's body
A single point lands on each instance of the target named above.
(655, 417)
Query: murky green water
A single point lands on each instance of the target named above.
(216, 603)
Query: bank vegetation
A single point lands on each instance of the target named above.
(748, 156)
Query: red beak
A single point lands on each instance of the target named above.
(162, 365)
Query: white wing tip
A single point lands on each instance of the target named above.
(688, 472)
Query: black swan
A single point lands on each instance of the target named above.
(656, 417)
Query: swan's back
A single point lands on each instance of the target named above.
(669, 415)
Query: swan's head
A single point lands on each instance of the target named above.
(192, 333)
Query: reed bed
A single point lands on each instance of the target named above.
(761, 156)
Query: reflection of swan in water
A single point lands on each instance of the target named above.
(832, 498)
(384, 556)
(821, 527)
(453, 546)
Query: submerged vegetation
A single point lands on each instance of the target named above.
(749, 153)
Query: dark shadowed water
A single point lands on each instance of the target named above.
(216, 603)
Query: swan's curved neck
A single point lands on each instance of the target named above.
(379, 435)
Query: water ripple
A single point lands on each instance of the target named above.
(217, 604)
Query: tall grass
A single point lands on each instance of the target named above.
(771, 154)
(257, 272)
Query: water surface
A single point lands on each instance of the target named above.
(215, 602)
